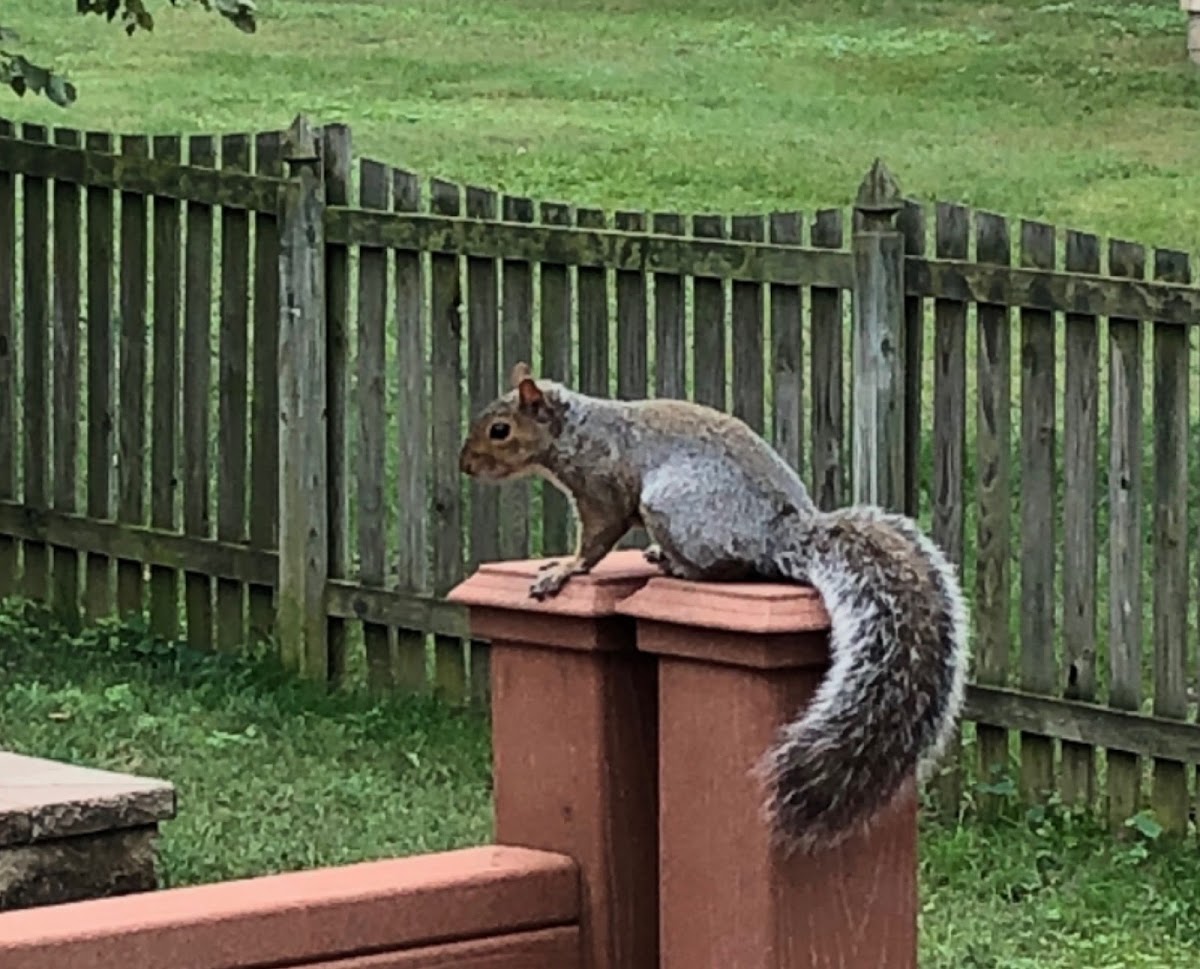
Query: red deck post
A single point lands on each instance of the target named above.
(574, 718)
(735, 662)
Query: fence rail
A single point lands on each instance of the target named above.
(234, 373)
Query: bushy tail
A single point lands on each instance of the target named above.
(891, 698)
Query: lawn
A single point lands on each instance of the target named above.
(274, 776)
(1080, 113)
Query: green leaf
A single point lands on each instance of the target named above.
(1143, 822)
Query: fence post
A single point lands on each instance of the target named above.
(303, 495)
(879, 352)
(574, 751)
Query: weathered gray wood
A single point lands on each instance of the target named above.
(164, 409)
(592, 286)
(65, 286)
(1048, 290)
(1084, 723)
(1039, 520)
(748, 323)
(952, 236)
(516, 346)
(446, 317)
(303, 424)
(159, 176)
(659, 251)
(1080, 413)
(879, 345)
(197, 390)
(413, 429)
(242, 563)
(264, 403)
(35, 291)
(98, 596)
(1172, 355)
(911, 222)
(1125, 535)
(371, 391)
(708, 316)
(336, 155)
(828, 484)
(670, 326)
(8, 365)
(556, 365)
(131, 351)
(633, 343)
(787, 351)
(483, 355)
(993, 537)
(233, 406)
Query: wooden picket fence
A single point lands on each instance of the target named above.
(235, 373)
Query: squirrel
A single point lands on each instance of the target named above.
(720, 504)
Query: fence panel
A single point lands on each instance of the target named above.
(787, 351)
(829, 439)
(9, 445)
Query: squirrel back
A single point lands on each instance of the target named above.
(719, 503)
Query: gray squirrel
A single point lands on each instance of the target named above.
(719, 504)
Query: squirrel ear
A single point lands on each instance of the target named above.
(529, 394)
(520, 373)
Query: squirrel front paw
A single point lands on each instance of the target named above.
(654, 554)
(553, 577)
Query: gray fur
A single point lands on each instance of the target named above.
(720, 504)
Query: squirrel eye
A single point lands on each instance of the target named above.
(498, 432)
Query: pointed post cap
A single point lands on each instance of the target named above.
(300, 142)
(879, 193)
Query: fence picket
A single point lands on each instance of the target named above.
(131, 351)
(36, 350)
(708, 323)
(556, 365)
(993, 536)
(911, 222)
(1125, 534)
(264, 404)
(670, 326)
(197, 397)
(516, 345)
(1172, 355)
(828, 482)
(446, 317)
(412, 402)
(233, 405)
(1080, 412)
(371, 390)
(787, 351)
(65, 561)
(748, 325)
(632, 360)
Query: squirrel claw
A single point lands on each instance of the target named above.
(547, 565)
(654, 554)
(553, 577)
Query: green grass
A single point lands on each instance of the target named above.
(1078, 113)
(274, 776)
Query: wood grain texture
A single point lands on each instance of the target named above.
(67, 232)
(196, 404)
(412, 547)
(1081, 401)
(556, 365)
(233, 404)
(592, 289)
(1040, 523)
(709, 304)
(952, 233)
(828, 483)
(370, 386)
(1172, 355)
(748, 325)
(264, 399)
(98, 586)
(164, 407)
(670, 323)
(516, 346)
(131, 390)
(993, 536)
(911, 223)
(633, 373)
(1126, 387)
(787, 351)
(447, 523)
(35, 350)
(337, 162)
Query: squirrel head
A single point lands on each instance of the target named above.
(511, 437)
